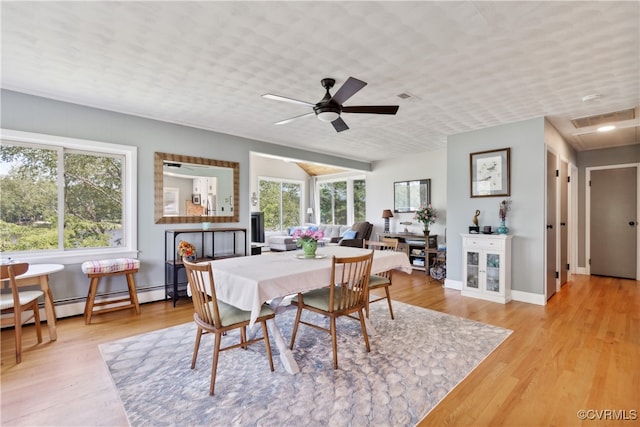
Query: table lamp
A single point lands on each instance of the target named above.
(386, 214)
(310, 213)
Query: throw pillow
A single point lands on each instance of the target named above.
(350, 234)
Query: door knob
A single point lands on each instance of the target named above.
(632, 223)
(563, 224)
(549, 226)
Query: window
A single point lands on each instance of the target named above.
(281, 202)
(63, 196)
(342, 200)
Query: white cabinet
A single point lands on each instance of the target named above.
(486, 266)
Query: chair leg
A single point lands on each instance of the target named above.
(133, 295)
(364, 331)
(214, 362)
(36, 320)
(88, 309)
(295, 327)
(366, 306)
(386, 289)
(267, 344)
(196, 347)
(17, 316)
(334, 341)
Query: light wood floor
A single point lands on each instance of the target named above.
(580, 352)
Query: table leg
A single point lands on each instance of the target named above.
(286, 356)
(49, 307)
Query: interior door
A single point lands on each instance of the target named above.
(613, 222)
(551, 224)
(564, 218)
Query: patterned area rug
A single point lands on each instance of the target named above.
(415, 360)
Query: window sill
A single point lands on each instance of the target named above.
(66, 258)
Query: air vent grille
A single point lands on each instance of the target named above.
(617, 116)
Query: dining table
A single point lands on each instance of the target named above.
(250, 281)
(38, 275)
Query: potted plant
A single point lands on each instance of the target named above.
(427, 216)
(186, 250)
(308, 241)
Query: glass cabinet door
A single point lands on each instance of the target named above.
(473, 264)
(493, 272)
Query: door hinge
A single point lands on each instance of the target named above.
(568, 267)
(557, 275)
(589, 183)
(557, 172)
(589, 261)
(568, 179)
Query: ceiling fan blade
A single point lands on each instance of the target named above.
(339, 125)
(372, 109)
(285, 99)
(347, 90)
(285, 121)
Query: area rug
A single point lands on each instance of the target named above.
(415, 360)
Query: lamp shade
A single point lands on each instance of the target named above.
(309, 210)
(387, 214)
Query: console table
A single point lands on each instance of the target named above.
(421, 249)
(175, 284)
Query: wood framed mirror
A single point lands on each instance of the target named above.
(195, 189)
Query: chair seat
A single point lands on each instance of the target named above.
(376, 281)
(106, 266)
(230, 315)
(319, 298)
(6, 301)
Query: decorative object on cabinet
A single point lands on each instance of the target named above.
(505, 206)
(486, 267)
(386, 214)
(490, 173)
(175, 281)
(409, 196)
(475, 228)
(427, 216)
(406, 224)
(213, 180)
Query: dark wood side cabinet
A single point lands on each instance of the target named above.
(175, 279)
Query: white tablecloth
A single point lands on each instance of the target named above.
(247, 282)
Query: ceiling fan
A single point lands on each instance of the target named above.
(330, 107)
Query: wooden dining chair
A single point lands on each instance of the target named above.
(382, 279)
(216, 317)
(18, 302)
(346, 294)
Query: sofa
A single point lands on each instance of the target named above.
(355, 234)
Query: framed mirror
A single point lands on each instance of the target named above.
(409, 196)
(195, 189)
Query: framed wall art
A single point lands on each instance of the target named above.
(490, 173)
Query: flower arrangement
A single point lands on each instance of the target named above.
(426, 215)
(505, 205)
(186, 249)
(306, 235)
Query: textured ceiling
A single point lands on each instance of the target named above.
(467, 65)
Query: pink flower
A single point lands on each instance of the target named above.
(307, 234)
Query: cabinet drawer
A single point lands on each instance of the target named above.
(481, 243)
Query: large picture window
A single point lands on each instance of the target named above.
(281, 203)
(342, 200)
(63, 195)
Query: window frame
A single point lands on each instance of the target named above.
(349, 178)
(289, 181)
(130, 206)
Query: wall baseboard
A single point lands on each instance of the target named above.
(453, 284)
(77, 308)
(528, 297)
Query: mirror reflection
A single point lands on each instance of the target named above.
(409, 196)
(195, 189)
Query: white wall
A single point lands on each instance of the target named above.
(427, 165)
(526, 219)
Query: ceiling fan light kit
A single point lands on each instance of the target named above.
(330, 107)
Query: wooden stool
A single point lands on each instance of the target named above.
(105, 268)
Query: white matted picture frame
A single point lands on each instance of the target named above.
(490, 173)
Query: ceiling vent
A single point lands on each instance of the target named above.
(601, 119)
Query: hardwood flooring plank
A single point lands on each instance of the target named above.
(580, 351)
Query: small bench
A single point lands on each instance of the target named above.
(105, 268)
